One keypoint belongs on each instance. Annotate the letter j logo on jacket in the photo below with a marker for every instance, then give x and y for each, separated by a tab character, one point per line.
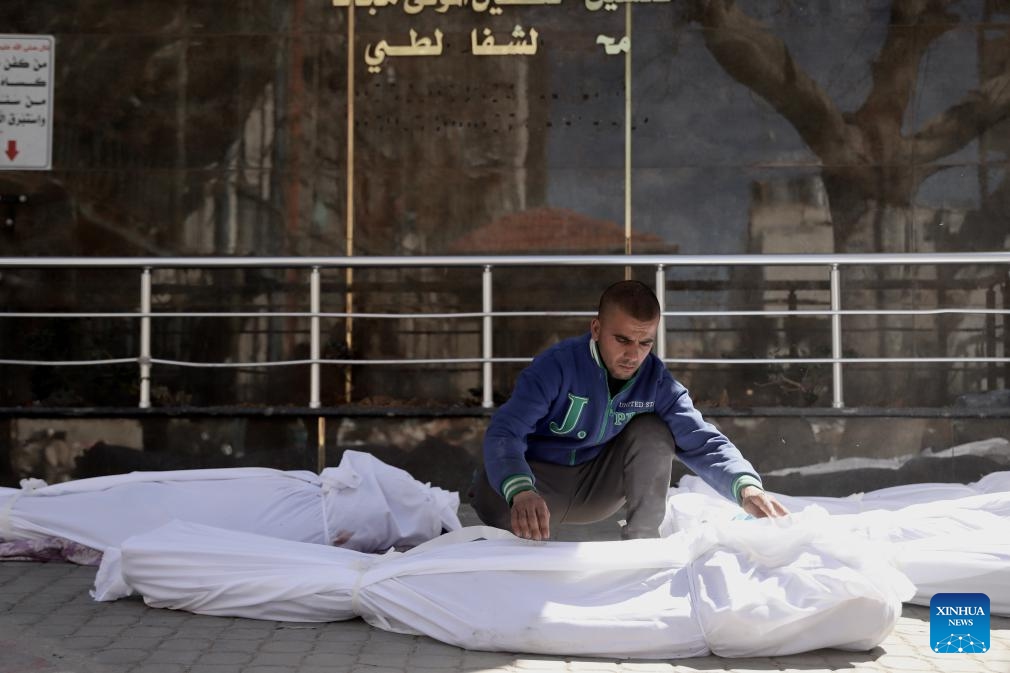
959	623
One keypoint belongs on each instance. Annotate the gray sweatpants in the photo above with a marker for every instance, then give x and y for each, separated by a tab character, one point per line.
633	468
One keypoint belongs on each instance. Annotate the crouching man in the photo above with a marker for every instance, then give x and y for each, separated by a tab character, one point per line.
594	423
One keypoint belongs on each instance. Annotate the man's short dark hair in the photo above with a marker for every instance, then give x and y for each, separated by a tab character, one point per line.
633	297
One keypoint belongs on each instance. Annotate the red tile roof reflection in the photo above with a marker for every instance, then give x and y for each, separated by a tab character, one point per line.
555	230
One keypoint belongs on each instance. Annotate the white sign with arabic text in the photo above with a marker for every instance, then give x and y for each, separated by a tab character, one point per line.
26	101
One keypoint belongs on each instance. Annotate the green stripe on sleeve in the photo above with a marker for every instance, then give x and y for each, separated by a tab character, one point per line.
744	480
514	484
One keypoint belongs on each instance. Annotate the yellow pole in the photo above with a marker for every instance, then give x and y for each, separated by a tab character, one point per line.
320	443
349	272
627	141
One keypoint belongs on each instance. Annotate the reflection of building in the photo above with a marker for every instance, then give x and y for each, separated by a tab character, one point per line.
550	231
789	216
794	215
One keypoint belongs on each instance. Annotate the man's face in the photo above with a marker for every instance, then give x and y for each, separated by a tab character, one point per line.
622	341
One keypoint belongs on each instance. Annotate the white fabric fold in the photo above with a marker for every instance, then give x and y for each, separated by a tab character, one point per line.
950	538
750	589
400	510
371	506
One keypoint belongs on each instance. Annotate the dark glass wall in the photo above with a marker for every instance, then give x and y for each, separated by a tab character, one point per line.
202	128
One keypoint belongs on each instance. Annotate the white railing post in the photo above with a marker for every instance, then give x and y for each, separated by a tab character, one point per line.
836	339
488	346
315	349
661	296
145	338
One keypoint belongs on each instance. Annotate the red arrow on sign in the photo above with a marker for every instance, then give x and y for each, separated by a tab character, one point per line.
12	149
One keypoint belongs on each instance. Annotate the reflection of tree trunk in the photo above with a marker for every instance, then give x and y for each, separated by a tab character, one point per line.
872	170
849	208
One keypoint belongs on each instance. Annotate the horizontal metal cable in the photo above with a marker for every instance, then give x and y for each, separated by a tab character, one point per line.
506	314
843	312
323	361
69	363
456	261
495	360
292	314
820	361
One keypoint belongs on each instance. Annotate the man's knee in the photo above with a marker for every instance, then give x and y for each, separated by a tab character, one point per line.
648	465
650	433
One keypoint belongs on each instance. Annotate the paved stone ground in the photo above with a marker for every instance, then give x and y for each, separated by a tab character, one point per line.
49	624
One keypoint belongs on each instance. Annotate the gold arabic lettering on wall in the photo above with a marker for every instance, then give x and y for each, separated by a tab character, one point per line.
521	42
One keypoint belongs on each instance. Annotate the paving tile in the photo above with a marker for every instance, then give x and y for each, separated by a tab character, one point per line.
162	668
531	663
236	645
100	631
595	666
214	668
429	646
388	640
435	661
341	647
994	667
23	618
400	645
337	668
113	620
308	634
184	657
209	621
347	631
126	641
477	657
801	661
895	663
245	633
905	649
286	646
64	619
397	660
54	630
229	658
151	631
646	667
84	643
320	659
185	644
276	659
958	663
199	633
163	618
120	656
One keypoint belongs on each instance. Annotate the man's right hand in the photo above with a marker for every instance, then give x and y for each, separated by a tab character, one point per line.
530	516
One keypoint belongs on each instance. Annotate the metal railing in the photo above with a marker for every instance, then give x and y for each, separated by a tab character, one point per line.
831	263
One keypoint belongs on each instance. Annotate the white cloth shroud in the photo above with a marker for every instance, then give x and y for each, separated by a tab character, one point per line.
947	538
378	505
741	589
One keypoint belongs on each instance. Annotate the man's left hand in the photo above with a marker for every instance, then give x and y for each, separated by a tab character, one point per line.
759	504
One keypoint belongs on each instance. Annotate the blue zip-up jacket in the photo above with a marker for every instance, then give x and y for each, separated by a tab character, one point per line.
561	412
